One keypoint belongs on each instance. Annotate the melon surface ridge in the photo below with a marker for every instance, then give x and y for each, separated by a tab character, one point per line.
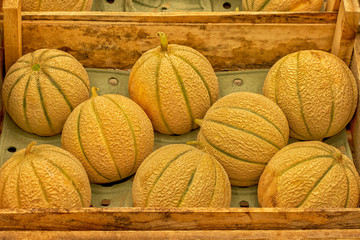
42	88
174	84
243	130
309	174
180	175
282	5
110	134
56	5
43	176
316	90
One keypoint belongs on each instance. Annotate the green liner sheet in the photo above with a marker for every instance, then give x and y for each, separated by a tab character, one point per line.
116	81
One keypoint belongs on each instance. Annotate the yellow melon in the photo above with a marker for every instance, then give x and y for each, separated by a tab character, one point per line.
42	88
56	5
282	5
174	84
316	90
43	176
179	175
110	134
309	175
243	131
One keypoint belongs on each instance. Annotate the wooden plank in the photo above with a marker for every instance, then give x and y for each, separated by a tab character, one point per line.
12	31
228	46
151	219
188	17
185	235
346	29
355	123
332	5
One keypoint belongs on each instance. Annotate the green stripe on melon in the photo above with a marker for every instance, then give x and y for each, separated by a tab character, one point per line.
243	131
46	177
316	91
110	134
174	85
42	88
56	5
309	175
180	175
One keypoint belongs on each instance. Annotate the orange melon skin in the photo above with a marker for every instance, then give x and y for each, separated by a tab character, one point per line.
44	176
111	135
243	131
174	87
180	175
56	5
316	90
42	88
309	175
282	5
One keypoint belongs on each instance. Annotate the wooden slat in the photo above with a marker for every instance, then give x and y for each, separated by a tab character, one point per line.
346	29
184	235
188	17
355	123
332	5
152	219
228	46
12	31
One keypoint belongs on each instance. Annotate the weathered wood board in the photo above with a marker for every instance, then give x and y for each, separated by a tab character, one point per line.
231	41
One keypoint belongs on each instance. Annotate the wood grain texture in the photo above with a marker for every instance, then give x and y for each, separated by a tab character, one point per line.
184	235
346	29
12	31
332	5
228	46
355	123
151	219
187	17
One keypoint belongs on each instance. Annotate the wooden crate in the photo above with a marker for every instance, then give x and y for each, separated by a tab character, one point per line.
231	41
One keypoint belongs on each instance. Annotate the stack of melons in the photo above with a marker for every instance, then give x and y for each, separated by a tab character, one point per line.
310	95
176	85
318	94
243	137
104	138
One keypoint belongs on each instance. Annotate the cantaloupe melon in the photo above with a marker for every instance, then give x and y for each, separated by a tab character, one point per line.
282	5
110	134
309	175
174	84
43	176
42	88
316	90
56	5
179	175
243	131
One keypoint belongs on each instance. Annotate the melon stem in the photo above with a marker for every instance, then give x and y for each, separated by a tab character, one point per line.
198	121
338	156
29	147
196	144
163	41
94	92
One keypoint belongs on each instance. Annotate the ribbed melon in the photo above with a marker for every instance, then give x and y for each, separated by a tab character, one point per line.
42	88
309	175
43	176
282	5
174	84
316	90
56	5
110	134
179	175
243	131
